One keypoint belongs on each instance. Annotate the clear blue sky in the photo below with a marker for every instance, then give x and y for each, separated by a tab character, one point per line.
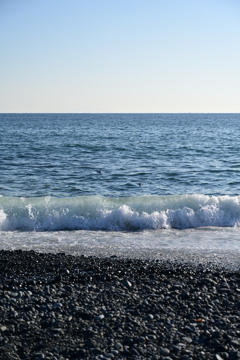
119	56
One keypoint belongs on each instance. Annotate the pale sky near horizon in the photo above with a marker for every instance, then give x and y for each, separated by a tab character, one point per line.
151	56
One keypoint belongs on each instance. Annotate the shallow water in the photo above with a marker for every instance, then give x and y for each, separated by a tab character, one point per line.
203	245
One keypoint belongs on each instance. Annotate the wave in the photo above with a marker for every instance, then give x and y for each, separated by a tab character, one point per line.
118	214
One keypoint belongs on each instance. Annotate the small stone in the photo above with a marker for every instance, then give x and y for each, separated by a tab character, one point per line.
217	357
140	339
109	355
235	342
115	352
118	346
185	357
127	284
186	339
96	351
151	337
134	351
224	285
164	351
177	286
225	302
57	306
100	317
39	356
224	290
209	280
181	345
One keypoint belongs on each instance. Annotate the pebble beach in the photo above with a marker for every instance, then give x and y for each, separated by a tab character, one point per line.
59	307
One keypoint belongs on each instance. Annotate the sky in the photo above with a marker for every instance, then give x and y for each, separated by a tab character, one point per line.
119	56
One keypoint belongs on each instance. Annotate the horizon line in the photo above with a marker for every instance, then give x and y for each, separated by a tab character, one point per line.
119	113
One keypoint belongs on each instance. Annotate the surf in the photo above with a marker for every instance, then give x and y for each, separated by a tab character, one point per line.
134	213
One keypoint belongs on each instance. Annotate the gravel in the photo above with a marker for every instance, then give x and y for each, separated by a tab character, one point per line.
57	306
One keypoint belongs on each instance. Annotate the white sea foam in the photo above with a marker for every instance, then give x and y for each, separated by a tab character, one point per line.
118	214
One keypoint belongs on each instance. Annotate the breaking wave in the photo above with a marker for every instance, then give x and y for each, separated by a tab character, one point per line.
118	214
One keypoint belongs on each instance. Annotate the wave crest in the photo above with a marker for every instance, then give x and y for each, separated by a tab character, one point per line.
118	214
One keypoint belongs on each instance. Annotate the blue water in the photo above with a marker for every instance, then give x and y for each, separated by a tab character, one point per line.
108	179
171	154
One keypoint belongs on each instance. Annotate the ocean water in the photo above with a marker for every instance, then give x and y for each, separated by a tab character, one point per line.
147	185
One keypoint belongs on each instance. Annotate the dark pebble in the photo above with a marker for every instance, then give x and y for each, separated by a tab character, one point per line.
59	307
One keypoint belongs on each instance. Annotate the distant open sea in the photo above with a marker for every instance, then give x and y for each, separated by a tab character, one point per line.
145	185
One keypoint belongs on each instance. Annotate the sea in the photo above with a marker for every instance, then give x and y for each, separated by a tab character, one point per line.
133	185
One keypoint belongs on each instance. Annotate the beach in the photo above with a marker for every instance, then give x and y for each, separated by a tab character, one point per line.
94	266
58	306
120	180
